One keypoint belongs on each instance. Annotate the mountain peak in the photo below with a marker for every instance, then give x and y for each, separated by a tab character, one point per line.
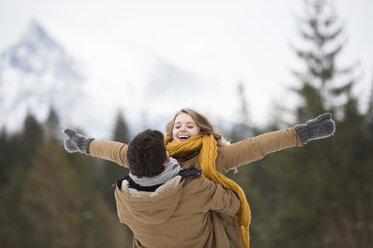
36	34
36	72
37	52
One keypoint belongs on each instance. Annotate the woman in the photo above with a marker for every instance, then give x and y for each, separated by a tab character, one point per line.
194	142
188	123
190	134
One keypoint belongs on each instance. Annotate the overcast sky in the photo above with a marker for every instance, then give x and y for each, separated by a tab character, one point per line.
226	40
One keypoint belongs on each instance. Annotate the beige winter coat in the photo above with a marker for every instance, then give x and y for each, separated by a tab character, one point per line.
177	214
229	157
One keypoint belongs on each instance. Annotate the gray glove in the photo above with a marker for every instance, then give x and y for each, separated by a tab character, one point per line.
321	127
76	142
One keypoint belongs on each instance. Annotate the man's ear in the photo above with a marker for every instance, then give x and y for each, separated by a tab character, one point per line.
165	163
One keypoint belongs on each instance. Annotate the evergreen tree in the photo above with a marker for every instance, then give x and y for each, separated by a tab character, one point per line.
54	201
17	155
28	141
5	156
252	178
51	126
111	172
121	133
242	128
321	187
323	85
368	129
63	205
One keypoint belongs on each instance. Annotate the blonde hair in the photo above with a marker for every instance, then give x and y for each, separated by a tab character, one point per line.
202	122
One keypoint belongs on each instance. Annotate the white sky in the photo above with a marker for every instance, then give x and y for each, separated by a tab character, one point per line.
226	40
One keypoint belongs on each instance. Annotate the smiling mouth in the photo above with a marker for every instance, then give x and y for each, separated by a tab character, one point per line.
183	137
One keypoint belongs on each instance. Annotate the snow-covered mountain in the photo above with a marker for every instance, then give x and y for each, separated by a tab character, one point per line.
34	74
38	72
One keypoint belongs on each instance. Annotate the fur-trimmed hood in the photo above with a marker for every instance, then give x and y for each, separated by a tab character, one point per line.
169	185
156	206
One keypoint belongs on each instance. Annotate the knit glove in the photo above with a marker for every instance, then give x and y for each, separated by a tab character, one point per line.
321	127
76	142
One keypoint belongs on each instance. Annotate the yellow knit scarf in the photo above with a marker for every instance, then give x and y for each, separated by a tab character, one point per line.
207	155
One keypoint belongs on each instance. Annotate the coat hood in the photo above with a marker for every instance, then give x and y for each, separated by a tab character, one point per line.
151	207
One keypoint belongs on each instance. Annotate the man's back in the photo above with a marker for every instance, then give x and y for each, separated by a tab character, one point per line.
180	213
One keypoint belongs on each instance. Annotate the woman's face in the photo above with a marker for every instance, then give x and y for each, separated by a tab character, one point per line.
184	127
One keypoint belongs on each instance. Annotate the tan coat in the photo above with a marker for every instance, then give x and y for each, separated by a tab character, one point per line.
180	216
229	157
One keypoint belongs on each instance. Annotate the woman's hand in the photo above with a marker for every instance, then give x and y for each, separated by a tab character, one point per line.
321	127
76	142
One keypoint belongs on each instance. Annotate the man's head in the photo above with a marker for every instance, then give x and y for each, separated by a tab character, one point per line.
146	154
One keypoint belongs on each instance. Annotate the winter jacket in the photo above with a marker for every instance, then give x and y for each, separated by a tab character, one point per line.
178	213
229	157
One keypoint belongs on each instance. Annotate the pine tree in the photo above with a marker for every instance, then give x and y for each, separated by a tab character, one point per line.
121	133
368	128
252	178
5	156
62	203
51	125
18	154
242	128
322	187
28	141
111	172
56	200
324	86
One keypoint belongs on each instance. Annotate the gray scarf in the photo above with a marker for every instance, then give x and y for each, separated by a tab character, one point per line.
170	171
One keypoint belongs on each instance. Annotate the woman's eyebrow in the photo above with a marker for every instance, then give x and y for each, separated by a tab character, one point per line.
189	122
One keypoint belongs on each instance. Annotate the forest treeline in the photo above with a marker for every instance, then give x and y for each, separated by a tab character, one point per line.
319	195
50	198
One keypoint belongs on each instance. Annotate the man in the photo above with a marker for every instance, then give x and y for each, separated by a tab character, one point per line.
164	205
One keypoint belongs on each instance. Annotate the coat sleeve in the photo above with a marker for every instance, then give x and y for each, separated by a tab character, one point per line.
109	150
253	149
212	196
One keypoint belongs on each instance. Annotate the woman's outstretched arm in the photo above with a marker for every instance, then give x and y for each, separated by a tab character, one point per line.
108	150
253	149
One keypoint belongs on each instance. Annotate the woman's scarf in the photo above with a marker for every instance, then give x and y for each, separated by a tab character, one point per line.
207	156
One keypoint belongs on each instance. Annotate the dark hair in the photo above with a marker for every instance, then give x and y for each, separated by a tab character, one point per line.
146	154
